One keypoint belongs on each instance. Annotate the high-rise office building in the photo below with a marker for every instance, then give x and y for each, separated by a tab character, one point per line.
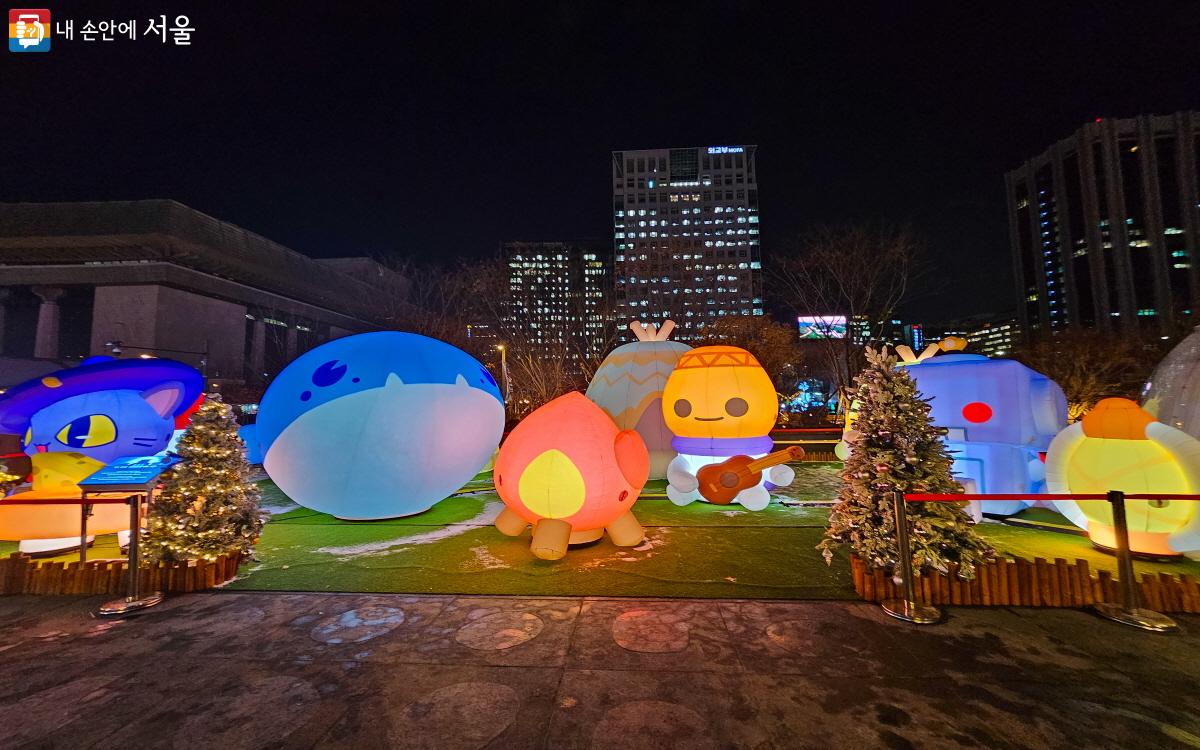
1104	226
559	297
992	334
995	338
686	235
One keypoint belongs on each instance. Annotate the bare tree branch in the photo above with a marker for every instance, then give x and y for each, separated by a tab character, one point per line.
1090	365
776	346
861	273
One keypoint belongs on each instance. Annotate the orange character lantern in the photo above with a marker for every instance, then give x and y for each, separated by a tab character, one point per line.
567	470
719	402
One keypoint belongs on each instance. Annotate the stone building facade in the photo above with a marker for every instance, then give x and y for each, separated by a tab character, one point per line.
157	278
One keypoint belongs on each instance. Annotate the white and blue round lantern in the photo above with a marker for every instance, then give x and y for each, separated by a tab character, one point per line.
378	425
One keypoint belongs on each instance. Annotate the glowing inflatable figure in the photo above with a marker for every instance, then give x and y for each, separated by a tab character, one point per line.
720	403
849	434
1000	416
1120	446
907	357
75	421
629	386
1172	394
377	425
567	470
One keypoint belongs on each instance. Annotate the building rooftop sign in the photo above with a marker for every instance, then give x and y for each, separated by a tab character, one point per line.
725	149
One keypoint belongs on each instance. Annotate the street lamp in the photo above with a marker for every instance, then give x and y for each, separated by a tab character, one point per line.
503	369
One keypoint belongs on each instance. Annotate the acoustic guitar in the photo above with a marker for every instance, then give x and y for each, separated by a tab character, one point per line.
721	483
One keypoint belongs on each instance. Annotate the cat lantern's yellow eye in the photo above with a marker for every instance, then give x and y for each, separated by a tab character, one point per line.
28	437
88	432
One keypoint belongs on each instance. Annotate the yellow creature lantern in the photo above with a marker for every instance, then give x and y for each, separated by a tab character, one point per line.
56	475
1120	446
720	403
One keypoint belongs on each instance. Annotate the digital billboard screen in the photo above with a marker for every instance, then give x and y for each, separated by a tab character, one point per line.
822	326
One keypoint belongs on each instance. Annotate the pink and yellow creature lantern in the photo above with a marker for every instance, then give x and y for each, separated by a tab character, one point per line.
629	385
1120	446
570	473
719	403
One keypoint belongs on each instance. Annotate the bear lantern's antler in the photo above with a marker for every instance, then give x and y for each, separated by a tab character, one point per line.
651	332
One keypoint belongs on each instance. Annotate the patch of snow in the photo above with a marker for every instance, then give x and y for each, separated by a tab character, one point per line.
485	517
652	542
485	559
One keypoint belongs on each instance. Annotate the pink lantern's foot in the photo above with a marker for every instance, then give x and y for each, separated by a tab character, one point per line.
625	531
550	538
510	523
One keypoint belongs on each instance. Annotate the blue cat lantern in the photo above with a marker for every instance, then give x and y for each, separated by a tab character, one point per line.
377	425
105	408
74	421
1000	416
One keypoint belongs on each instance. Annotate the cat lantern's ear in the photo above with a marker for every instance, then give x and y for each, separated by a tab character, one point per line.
165	398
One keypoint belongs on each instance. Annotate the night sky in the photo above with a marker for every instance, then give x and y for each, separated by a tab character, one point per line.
430	131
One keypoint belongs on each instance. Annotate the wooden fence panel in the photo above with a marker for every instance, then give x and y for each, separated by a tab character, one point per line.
1018	582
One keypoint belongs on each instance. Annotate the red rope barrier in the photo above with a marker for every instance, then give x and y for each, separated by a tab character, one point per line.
920	497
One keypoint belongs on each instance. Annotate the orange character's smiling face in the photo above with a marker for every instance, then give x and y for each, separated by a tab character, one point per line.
719	392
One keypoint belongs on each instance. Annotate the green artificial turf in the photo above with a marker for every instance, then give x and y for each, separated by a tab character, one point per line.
104	548
1015	541
698	550
1049	518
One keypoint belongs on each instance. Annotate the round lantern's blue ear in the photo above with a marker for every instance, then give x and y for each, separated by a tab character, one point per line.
165	398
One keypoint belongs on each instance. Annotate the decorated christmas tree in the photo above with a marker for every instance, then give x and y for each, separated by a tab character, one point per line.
897	447
208	506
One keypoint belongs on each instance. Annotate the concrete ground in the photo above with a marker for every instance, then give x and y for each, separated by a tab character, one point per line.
253	670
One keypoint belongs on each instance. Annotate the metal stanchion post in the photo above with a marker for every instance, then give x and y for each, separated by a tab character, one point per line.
85	510
1128	612
907	609
133	602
